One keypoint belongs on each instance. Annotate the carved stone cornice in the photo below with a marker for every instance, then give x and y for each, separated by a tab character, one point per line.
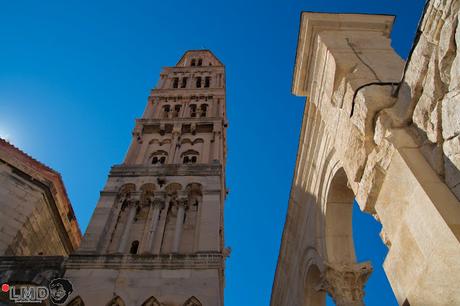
146	262
314	24
166	170
201	120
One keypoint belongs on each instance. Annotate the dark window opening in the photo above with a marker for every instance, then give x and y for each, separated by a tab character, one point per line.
200	62
193	62
190	159
162	160
166	110
176	111
193	110
184	83
204	109
175	82
155	160
207	81
134	247
198	82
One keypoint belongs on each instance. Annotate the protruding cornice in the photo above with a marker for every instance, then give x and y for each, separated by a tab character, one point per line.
312	24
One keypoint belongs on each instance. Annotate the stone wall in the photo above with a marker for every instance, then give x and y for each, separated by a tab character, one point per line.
433	79
36	217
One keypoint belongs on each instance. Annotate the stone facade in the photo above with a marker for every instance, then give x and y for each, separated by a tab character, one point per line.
156	236
36	216
391	143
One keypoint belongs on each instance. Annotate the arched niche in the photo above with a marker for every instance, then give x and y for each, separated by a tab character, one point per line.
151	301
116	301
76	302
192	301
173	188
313	295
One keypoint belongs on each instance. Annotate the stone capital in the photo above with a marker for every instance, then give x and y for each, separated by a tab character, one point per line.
345	282
159	201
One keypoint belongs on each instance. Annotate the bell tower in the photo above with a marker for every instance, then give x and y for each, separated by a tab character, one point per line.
157	232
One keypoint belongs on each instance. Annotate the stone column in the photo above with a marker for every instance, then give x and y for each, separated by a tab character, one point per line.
345	282
181	205
132	207
155	207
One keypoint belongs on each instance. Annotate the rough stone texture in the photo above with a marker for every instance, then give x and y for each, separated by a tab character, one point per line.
36	217
157	230
389	153
433	79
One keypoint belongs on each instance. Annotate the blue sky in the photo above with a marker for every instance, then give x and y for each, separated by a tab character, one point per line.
75	74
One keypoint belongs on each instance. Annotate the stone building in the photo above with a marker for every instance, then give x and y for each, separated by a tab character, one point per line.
38	228
156	236
385	133
36	215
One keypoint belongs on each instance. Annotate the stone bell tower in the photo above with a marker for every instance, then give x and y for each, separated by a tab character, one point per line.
156	236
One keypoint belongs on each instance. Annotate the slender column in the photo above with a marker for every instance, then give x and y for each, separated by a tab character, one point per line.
345	282
181	205
132	206
156	206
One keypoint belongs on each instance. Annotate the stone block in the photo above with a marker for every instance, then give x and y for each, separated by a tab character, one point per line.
451	114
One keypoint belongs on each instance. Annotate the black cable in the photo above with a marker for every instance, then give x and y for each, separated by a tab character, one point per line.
366	85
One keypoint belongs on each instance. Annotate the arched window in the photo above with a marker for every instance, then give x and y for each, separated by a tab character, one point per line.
207	81
198	82
151	301
176	111
203	110
193	301
159	157
134	247
200	62
166	110
190	157
193	110
183	84
175	82
193	63
76	302
116	301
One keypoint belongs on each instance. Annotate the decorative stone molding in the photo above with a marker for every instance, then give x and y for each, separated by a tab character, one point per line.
140	262
166	170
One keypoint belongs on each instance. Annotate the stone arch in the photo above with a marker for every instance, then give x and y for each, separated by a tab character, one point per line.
147	191
312	268
127	188
78	301
151	301
193	301
116	301
194	194
313	295
338	232
173	188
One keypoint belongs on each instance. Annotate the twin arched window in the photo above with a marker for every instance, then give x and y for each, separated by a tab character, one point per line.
202	111
159	157
190	157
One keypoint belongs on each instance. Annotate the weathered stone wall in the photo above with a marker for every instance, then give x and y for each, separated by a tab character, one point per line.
433	78
27	227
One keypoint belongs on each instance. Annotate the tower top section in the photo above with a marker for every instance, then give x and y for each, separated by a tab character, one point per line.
197	58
